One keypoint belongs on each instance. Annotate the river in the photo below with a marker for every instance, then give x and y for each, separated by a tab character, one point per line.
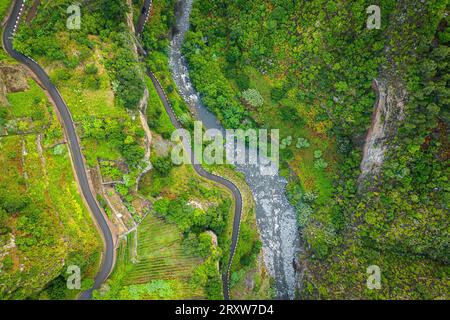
276	218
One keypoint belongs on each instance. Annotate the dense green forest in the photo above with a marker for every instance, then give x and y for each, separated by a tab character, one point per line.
312	63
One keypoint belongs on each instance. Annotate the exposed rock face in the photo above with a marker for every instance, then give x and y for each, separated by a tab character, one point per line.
13	78
387	116
5	248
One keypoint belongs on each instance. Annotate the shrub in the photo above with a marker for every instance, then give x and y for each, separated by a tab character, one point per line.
243	81
286	154
294	193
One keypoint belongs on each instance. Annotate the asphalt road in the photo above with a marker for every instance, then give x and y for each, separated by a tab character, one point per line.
197	167
74	146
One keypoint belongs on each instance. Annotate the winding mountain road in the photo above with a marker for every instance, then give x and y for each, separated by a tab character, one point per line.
73	142
145	12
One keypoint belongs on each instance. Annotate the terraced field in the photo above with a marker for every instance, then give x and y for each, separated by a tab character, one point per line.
158	268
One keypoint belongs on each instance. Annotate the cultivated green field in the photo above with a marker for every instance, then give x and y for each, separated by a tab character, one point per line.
159	268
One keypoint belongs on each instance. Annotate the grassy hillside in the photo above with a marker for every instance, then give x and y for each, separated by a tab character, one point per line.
173	255
99	76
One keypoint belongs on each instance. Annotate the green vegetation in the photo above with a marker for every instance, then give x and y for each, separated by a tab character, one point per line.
400	224
28	112
157	117
253	98
28	103
175	253
304	67
156	41
94	68
4	4
194	205
104	19
97	74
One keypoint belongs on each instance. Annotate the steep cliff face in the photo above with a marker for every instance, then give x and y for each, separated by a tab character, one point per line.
387	116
